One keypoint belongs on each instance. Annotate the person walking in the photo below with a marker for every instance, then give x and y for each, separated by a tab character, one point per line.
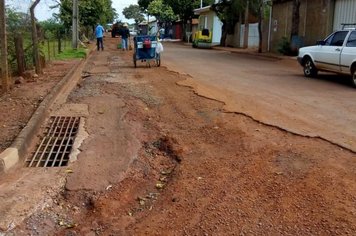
125	37
99	34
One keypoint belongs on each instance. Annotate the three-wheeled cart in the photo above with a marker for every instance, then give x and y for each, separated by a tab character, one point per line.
145	50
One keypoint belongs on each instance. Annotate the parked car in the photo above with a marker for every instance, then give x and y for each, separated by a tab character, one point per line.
337	53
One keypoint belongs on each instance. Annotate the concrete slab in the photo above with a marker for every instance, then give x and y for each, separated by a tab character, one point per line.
81	110
8	159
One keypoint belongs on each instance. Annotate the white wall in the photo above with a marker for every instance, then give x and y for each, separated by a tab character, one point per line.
217	30
253	39
345	12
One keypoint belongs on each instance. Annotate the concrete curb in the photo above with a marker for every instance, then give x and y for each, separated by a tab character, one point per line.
16	152
251	53
247	52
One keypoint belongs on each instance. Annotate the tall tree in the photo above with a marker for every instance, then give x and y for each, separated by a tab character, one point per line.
228	12
162	12
144	4
90	12
133	12
185	8
36	53
231	11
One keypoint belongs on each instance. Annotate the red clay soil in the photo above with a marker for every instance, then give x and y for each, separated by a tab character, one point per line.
18	105
202	171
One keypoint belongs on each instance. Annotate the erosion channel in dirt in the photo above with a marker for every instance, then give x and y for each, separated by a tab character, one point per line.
197	169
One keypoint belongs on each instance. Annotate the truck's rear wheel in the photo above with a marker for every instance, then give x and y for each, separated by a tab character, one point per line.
309	68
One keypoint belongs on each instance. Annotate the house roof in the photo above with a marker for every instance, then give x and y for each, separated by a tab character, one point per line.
201	10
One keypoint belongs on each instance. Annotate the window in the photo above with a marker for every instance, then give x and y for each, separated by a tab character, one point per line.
352	40
337	39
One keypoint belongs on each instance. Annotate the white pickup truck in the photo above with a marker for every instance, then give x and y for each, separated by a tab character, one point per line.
337	53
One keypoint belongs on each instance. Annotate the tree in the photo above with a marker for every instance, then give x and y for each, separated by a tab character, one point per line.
162	12
52	28
17	21
133	12
229	13
18	25
36	54
90	12
185	8
144	4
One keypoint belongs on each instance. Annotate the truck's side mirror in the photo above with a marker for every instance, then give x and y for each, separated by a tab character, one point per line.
320	42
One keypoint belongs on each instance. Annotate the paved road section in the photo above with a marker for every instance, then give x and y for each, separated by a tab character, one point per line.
272	91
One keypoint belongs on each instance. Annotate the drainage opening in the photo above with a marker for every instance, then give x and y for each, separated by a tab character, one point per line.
57	143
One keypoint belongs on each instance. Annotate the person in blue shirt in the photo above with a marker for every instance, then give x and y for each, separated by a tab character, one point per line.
99	33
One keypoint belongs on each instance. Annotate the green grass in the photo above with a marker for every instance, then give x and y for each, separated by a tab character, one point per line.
50	50
71	54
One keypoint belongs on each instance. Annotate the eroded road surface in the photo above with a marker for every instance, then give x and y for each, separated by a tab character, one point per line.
160	158
273	91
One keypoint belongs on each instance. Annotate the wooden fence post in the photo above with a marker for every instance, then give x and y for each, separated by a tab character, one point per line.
3	49
49	50
54	48
20	56
59	44
35	38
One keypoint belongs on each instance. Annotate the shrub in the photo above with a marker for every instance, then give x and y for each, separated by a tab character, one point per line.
284	46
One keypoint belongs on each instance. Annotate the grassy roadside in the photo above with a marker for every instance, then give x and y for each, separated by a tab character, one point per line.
50	51
71	53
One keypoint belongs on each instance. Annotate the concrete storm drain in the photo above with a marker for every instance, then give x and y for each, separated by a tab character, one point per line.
56	145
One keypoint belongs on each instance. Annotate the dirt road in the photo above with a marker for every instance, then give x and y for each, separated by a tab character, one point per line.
272	91
161	160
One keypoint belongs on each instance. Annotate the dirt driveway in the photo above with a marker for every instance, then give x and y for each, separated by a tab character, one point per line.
161	160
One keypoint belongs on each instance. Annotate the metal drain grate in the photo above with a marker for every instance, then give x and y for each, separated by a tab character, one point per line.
56	145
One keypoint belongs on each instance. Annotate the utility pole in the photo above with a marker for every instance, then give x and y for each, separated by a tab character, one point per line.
3	49
75	25
36	54
246	24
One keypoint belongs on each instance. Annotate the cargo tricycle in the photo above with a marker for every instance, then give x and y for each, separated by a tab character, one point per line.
146	49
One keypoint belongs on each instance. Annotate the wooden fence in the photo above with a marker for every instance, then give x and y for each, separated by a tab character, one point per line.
49	50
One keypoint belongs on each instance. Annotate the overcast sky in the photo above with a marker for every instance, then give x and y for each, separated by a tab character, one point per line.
44	12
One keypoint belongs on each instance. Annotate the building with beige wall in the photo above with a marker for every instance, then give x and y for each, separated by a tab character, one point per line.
318	18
